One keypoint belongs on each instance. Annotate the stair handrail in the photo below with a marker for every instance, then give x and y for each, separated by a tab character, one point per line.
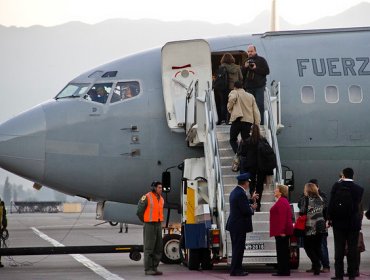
272	127
215	162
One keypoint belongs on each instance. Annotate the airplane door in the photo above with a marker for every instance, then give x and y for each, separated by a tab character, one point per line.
186	76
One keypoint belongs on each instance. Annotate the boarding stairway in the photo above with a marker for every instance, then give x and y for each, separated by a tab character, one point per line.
190	107
260	248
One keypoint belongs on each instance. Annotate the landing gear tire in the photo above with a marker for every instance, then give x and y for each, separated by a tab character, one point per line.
294	257
113	224
171	249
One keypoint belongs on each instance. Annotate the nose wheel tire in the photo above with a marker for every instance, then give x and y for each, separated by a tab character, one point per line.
171	249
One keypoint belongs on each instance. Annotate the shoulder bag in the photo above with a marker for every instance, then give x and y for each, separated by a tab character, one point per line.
300	223
235	166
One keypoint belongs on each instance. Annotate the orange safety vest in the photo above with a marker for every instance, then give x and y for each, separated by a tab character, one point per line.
154	209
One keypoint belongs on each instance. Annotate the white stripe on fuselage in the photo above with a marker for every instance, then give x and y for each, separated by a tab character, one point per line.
98	269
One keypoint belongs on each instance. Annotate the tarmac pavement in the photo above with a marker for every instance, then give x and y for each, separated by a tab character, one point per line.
58	229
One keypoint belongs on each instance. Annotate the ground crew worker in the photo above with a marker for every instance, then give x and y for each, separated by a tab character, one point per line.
3	225
150	211
121	227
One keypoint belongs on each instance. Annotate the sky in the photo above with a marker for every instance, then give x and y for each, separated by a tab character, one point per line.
24	13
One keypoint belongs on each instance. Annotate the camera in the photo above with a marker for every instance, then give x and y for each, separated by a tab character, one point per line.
250	61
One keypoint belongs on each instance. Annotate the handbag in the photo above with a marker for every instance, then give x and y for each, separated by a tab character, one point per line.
300	226
300	223
361	243
235	166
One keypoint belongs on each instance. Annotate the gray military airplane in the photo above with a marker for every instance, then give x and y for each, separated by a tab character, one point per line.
112	130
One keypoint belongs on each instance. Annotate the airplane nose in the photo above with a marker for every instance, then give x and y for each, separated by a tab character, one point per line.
22	144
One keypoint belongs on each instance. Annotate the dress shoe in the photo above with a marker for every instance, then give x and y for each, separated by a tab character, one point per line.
336	278
244	273
309	270
325	270
356	275
153	272
281	274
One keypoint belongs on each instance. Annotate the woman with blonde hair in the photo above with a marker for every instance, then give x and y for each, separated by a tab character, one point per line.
281	227
312	204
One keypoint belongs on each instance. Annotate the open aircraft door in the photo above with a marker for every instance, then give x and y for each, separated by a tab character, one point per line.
186	79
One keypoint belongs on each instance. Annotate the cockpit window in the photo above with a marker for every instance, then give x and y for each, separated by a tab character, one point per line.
125	91
110	74
73	90
96	74
99	92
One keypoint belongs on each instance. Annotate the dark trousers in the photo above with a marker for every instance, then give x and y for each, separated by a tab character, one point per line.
257	185
312	246
341	237
153	245
259	95
324	252
221	104
283	254
238	245
237	127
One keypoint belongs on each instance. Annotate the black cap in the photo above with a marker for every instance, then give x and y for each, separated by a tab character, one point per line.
314	181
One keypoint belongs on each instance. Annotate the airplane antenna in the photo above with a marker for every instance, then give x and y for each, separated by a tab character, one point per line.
274	20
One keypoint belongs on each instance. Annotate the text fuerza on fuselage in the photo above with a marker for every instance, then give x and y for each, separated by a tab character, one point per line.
334	66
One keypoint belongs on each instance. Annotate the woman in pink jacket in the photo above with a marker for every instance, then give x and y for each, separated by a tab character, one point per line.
281	226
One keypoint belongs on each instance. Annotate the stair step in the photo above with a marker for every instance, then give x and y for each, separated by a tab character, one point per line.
260	247
255	246
223	128
226	152
226	170
264	257
226	160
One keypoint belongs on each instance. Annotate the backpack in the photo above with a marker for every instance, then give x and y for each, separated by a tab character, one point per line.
221	82
342	202
266	158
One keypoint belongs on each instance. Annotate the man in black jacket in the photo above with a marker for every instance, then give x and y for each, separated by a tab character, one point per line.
346	223
254	72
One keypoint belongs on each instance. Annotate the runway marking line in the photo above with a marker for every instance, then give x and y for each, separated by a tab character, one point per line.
98	269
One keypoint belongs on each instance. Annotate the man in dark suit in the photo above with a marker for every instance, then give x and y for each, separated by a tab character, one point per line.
240	222
346	223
